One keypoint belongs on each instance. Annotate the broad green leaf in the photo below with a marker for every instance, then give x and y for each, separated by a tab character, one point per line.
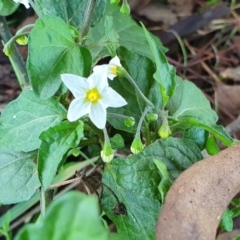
130	35
198	135
190	108
56	141
188	101
72	12
165	73
72	216
18	175
134	180
141	70
65	173
53	51
227	221
7	7
166	181
25	118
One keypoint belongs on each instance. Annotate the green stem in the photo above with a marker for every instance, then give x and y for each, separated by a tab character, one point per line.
16	58
45	199
35	8
88	18
146	110
129	78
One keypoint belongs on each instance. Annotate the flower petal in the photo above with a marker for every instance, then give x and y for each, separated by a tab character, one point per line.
115	61
78	108
111	98
98	115
76	84
98	80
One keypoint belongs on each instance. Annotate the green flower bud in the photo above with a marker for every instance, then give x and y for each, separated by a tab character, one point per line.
125	8
129	122
107	153
152	117
211	146
120	71
136	146
114	2
8	50
22	40
164	130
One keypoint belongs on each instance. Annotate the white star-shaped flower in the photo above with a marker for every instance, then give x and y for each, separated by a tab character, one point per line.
109	69
92	96
24	2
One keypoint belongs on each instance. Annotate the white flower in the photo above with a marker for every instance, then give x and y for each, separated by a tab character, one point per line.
92	96
109	69
25	2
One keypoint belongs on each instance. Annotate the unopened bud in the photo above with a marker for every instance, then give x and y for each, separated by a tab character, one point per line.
164	130
136	146
129	122
152	117
22	40
114	2
107	154
125	8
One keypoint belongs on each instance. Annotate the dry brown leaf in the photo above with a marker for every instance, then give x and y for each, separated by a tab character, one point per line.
228	98
232	73
195	202
229	235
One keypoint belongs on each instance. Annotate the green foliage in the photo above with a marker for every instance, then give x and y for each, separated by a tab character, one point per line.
135	179
77	218
56	141
18	175
7	7
36	140
71	12
226	221
51	48
25	118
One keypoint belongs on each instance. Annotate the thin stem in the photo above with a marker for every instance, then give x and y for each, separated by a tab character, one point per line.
45	200
35	8
16	58
106	138
88	17
129	78
146	110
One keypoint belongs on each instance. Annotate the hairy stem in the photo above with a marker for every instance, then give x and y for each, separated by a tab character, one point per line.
88	18
16	58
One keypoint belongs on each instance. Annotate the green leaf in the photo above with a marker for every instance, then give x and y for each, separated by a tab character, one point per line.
130	35
117	142
140	68
7	7
56	141
165	73
53	51
25	118
227	221
189	107
166	181
212	146
18	175
197	135
72	216
235	212
235	202
72	12
134	180
188	101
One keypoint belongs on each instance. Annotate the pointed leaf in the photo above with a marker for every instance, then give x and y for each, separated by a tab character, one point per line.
18	175
53	51
140	68
56	141
134	180
72	216
165	73
25	118
72	12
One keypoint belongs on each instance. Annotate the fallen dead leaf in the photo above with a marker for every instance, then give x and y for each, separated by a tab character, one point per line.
232	73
